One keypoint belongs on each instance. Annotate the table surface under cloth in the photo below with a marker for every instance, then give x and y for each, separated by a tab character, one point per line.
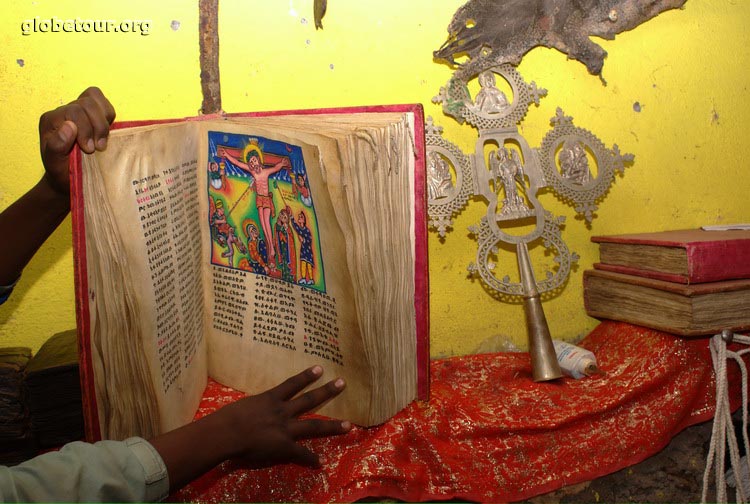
489	433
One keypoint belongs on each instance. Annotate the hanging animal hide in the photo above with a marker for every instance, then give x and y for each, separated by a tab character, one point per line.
492	32
319	10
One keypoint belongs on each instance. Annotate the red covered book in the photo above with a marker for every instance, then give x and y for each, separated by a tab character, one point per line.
683	256
246	248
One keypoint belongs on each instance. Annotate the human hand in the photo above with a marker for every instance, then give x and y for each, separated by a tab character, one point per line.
262	429
265	428
85	122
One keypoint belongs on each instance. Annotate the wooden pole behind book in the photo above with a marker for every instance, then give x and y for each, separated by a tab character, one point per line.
209	56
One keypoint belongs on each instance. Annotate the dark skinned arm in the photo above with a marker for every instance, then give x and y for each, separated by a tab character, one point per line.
261	430
28	222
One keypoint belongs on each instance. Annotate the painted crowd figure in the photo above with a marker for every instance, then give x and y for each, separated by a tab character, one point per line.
306	258
287	255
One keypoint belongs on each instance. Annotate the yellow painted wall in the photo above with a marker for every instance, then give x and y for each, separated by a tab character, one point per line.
686	69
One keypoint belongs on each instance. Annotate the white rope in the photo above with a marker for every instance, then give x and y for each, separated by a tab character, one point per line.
722	434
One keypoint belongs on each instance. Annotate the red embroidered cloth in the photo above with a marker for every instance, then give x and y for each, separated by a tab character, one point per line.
490	434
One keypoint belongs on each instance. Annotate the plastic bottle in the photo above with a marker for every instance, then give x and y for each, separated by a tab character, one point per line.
575	361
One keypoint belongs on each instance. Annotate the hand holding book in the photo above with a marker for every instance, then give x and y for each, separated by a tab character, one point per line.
84	122
28	222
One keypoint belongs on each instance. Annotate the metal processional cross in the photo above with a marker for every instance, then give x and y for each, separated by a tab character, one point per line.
509	174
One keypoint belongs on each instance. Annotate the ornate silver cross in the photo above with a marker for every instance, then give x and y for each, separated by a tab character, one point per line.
509	174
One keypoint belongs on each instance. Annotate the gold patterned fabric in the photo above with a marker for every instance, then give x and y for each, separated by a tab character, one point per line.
491	434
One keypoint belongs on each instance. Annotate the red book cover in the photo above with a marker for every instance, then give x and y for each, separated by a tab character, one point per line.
421	279
708	256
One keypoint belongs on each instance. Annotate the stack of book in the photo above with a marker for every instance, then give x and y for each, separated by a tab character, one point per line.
687	282
54	392
16	440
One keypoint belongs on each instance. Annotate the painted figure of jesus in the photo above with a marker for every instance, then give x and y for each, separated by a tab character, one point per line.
253	164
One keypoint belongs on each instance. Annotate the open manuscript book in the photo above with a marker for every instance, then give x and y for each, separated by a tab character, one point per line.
247	248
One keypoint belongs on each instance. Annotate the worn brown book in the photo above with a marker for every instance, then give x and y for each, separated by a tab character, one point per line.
686	256
686	310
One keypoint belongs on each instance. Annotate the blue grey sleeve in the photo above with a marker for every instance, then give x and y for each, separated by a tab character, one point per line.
5	291
107	471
